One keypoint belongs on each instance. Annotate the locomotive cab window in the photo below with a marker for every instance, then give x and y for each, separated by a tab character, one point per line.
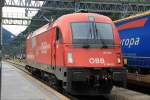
93	34
58	35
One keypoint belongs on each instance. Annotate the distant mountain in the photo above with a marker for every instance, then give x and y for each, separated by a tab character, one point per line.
7	36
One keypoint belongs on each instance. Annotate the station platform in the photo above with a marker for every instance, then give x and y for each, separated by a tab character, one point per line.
18	85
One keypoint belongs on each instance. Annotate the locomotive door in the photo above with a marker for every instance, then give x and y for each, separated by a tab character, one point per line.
53	48
56	47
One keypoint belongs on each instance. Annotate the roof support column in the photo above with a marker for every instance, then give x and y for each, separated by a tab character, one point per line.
1	5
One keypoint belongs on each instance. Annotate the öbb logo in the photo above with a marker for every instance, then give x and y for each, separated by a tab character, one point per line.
96	60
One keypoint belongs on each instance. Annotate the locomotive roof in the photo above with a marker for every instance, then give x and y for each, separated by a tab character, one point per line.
68	18
134	16
74	16
64	23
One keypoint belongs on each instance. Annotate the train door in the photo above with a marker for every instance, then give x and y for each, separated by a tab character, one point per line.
59	48
57	57
53	48
60	70
56	47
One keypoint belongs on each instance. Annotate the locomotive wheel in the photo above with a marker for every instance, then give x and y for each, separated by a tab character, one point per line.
52	81
55	83
108	96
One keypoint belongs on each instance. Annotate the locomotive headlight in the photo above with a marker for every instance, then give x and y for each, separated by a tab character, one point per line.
119	60
69	57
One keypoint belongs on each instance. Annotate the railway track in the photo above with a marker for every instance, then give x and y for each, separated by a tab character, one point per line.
139	78
22	68
138	82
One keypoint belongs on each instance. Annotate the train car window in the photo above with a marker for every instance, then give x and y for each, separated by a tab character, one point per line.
58	35
33	42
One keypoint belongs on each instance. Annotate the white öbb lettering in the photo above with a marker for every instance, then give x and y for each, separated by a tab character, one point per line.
96	60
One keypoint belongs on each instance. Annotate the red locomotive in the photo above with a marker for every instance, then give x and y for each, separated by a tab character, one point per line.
79	53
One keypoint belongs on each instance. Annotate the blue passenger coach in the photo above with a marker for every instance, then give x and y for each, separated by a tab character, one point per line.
134	33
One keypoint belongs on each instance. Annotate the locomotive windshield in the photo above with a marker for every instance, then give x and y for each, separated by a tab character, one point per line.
93	34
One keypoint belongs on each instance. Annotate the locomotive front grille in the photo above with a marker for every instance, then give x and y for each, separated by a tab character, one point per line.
91	80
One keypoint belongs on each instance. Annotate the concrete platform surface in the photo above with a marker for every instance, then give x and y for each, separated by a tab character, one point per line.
17	85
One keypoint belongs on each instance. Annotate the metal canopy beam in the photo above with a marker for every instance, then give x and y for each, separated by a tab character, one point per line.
23	3
124	7
15	21
128	1
18	21
102	6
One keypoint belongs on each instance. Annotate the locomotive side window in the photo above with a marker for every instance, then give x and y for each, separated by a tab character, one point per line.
33	42
58	35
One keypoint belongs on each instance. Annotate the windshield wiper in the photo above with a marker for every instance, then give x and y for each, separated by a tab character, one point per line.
86	46
90	32
104	46
96	36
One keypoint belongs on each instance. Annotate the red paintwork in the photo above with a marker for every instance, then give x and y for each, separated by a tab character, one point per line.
133	24
45	50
